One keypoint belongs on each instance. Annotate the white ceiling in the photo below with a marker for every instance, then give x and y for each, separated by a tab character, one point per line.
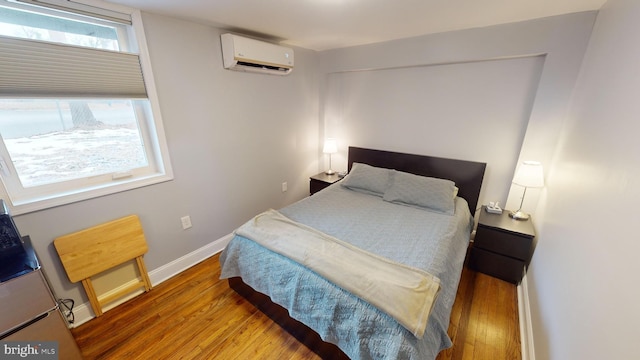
327	24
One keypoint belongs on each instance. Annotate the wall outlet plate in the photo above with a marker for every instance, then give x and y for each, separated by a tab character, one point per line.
186	222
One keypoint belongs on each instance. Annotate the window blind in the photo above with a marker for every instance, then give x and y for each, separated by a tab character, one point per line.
80	8
36	69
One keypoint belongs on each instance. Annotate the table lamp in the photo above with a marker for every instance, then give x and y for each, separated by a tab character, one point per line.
529	175
330	147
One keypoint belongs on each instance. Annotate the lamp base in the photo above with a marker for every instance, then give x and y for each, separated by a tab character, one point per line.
329	172
518	215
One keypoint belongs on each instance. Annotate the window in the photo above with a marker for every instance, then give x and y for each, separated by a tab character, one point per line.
78	115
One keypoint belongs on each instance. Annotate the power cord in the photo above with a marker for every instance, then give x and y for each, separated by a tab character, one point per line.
67	310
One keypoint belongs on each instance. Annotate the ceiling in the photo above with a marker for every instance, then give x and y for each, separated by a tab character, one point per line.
329	24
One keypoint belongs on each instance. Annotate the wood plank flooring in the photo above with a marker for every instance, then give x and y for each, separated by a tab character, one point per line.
195	315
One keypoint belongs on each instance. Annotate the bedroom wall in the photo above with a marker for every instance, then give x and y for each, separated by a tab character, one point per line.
431	109
583	278
511	87
233	139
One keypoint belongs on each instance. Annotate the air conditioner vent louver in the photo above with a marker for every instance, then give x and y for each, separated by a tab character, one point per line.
245	54
266	67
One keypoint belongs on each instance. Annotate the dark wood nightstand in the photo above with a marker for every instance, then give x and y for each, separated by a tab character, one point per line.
320	181
503	246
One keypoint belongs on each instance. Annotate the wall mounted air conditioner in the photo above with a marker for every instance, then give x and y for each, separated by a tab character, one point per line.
244	54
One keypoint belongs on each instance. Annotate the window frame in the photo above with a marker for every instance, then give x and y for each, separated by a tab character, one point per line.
155	146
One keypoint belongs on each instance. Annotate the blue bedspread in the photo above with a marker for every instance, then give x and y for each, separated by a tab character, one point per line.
433	242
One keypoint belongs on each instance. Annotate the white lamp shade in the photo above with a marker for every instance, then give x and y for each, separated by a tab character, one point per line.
330	146
529	174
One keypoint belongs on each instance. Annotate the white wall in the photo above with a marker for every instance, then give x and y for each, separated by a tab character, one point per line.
472	110
583	278
531	114
233	138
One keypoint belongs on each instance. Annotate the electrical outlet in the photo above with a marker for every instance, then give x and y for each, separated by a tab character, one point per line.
284	186
186	222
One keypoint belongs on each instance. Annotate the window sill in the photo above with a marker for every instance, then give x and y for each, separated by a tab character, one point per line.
36	204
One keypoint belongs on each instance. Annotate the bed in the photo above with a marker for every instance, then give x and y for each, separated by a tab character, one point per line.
372	214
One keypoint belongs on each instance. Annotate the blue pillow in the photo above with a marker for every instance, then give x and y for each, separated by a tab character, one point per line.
425	192
368	179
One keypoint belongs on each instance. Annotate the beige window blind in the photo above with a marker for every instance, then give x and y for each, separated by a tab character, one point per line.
36	69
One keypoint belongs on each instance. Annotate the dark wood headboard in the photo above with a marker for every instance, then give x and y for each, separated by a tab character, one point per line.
467	175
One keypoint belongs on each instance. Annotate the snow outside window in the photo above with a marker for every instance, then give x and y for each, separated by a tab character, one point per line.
77	117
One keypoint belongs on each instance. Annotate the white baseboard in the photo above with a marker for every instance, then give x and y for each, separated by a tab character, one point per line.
179	265
524	316
84	313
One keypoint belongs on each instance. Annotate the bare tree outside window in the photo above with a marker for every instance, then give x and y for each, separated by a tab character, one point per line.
81	115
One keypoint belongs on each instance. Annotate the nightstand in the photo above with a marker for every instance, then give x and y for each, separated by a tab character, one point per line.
503	246
320	181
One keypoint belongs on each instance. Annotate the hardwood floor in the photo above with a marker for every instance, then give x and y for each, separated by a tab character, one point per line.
484	320
197	316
